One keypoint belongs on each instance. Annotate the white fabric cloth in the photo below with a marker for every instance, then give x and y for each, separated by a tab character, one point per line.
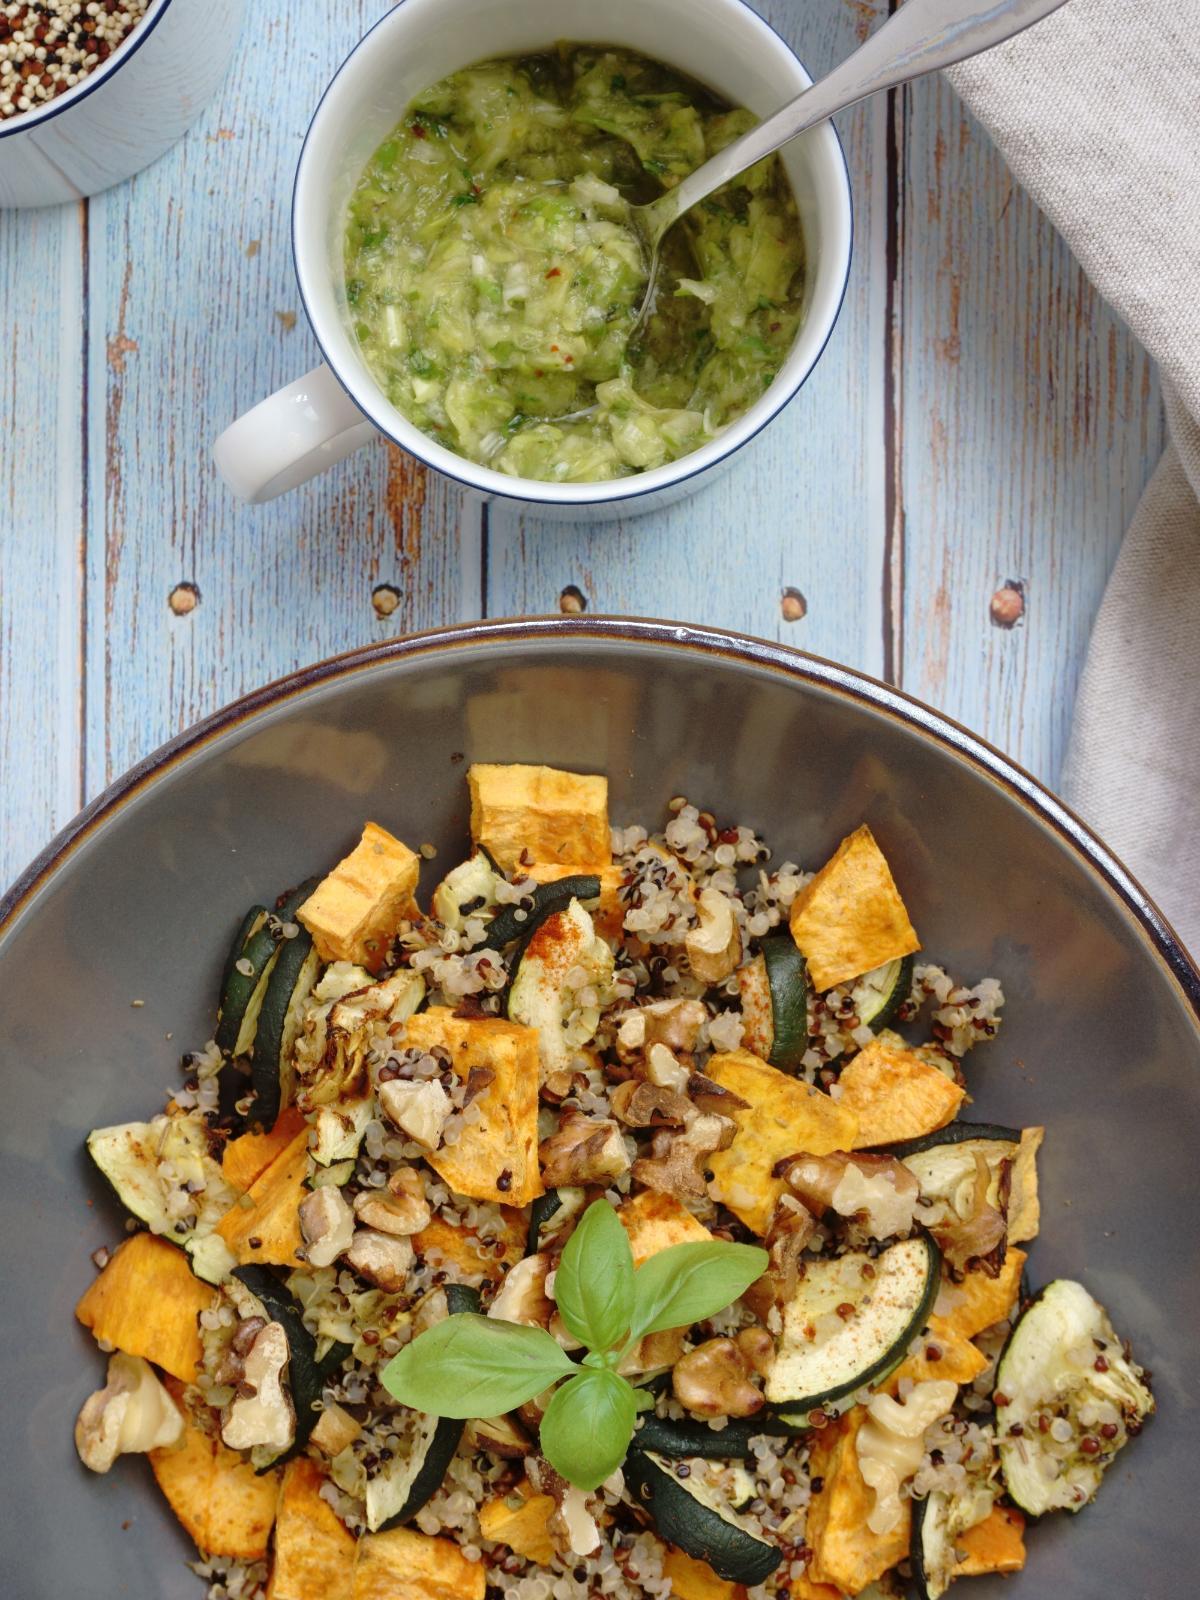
1097	110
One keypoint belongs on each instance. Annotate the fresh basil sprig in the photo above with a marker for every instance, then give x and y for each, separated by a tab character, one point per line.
473	1366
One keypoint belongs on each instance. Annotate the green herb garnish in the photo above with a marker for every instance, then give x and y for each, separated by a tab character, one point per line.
474	1366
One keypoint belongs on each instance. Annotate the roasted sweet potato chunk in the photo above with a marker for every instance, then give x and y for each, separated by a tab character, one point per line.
520	1519
496	1157
268	1230
997	1544
354	911
405	1565
850	918
146	1302
538	814
846	1553
894	1095
656	1221
314	1554
225	1505
785	1115
250	1154
696	1580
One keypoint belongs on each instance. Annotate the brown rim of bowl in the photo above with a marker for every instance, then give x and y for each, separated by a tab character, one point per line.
844	681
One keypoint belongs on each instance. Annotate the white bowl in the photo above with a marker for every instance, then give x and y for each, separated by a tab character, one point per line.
125	114
722	43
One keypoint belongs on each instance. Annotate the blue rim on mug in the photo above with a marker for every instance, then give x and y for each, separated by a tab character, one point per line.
515	488
37	116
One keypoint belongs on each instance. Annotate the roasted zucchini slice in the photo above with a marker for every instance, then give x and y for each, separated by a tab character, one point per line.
827	1353
507	925
248	972
693	1514
398	1489
879	995
774	993
1067	1399
293	976
665	1436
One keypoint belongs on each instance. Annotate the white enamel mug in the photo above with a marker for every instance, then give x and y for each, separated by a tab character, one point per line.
300	430
125	114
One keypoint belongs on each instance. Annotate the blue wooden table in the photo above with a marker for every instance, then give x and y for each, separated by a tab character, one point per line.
979	419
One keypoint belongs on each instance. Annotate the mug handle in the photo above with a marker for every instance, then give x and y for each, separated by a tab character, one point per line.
290	437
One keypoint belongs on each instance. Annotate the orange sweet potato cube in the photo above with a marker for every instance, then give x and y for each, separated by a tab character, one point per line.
146	1302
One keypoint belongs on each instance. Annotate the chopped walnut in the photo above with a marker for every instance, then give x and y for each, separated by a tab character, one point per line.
584	1150
677	1161
713	1380
400	1209
644	1105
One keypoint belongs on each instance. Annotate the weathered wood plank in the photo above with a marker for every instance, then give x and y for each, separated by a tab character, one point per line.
1029	421
195	317
803	504
41	312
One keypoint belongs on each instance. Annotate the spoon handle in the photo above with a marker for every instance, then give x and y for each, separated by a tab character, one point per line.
922	36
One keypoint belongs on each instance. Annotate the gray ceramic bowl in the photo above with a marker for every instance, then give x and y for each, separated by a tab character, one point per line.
135	902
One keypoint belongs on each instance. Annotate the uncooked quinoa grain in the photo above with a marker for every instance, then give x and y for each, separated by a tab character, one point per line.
49	46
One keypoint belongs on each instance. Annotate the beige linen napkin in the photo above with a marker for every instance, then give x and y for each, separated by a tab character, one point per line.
1097	110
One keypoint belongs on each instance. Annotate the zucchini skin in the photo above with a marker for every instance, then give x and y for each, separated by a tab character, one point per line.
543	1208
260	950
796	1412
447	1435
696	1529
954	1133
916	1552
900	991
666	1437
548	898
257	947
306	1376
443	1447
787	981
239	939
268	1066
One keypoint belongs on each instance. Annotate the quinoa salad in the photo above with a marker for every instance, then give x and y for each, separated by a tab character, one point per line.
600	1218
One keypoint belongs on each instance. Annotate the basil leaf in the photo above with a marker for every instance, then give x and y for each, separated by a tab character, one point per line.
587	1427
594	1282
473	1366
688	1282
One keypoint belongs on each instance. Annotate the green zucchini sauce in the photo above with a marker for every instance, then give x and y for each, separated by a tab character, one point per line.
494	280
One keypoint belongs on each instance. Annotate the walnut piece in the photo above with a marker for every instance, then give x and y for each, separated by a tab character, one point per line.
584	1150
677	1161
644	1105
381	1258
713	1380
261	1413
133	1413
327	1223
400	1209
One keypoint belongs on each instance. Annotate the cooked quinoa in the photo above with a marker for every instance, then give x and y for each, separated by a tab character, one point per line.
423	1080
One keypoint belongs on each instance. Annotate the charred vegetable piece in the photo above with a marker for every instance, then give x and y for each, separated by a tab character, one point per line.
296	969
1064	1363
248	974
865	1312
689	1513
506	925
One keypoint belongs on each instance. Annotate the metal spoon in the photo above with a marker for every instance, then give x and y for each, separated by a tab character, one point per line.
923	36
